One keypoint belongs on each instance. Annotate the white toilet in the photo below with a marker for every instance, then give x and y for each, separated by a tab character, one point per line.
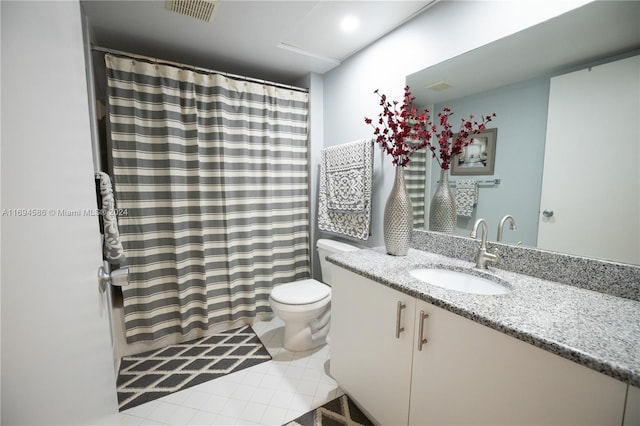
304	306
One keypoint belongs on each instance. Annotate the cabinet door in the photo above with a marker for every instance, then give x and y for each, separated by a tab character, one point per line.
632	409
470	374
368	361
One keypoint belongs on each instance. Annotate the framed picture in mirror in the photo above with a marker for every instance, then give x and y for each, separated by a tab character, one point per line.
479	157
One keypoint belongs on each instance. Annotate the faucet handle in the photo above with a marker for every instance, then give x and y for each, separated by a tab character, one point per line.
485	256
494	255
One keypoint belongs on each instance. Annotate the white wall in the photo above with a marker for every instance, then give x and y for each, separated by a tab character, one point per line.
314	83
56	355
447	29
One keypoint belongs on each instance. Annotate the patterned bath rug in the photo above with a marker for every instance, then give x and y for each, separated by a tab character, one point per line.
340	411
157	373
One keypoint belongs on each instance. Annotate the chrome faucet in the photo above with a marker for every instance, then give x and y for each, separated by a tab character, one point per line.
483	257
512	225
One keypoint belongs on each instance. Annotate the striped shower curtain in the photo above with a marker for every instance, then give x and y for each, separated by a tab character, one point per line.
211	175
414	177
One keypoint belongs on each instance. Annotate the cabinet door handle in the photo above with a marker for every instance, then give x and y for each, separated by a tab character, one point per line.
399	329
421	339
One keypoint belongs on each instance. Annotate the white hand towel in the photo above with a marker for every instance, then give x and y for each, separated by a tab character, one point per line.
344	197
466	196
113	250
346	173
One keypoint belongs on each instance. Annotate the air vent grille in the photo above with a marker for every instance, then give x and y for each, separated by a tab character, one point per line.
198	9
439	86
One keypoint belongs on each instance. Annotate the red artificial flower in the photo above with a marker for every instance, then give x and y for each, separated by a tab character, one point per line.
406	131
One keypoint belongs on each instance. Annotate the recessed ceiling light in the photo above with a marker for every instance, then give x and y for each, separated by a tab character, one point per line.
349	24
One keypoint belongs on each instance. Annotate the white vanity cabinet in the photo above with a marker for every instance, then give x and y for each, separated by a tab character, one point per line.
370	351
632	409
465	373
468	373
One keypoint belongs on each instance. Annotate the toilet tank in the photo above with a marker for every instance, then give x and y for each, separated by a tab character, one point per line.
326	248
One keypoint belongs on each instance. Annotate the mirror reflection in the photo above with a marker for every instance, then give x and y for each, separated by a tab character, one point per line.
567	149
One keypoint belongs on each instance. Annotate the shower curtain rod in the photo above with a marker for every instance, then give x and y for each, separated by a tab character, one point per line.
195	68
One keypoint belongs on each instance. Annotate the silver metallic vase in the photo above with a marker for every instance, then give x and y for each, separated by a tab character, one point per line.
442	211
398	217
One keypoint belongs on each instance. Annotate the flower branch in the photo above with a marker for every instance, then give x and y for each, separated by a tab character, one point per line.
403	130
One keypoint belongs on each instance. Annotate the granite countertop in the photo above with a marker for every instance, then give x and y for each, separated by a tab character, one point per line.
597	330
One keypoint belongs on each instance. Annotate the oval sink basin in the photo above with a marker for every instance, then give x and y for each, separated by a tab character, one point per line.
459	281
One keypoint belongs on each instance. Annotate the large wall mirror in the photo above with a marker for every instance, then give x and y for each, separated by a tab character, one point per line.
525	79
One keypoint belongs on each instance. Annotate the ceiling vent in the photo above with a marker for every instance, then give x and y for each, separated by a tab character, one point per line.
439	86
198	9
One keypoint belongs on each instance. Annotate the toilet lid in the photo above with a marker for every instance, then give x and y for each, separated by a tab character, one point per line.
300	292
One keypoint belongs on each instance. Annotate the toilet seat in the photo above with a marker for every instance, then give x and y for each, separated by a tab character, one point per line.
300	292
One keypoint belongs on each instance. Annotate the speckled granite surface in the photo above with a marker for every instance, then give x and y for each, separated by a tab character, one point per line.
597	330
617	279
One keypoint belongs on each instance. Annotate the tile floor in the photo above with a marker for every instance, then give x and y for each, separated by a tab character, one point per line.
272	393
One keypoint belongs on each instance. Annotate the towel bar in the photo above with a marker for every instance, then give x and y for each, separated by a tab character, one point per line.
495	181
